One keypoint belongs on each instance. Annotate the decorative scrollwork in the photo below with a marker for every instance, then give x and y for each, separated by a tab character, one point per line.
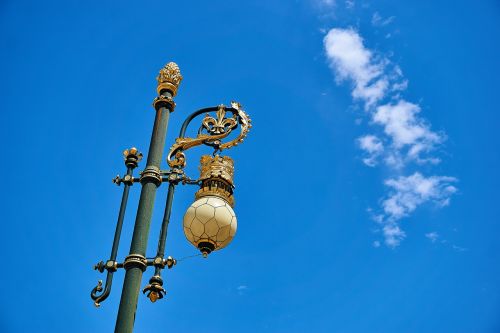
245	125
216	130
99	294
221	124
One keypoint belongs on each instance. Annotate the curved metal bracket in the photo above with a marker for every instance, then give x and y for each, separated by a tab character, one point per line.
94	294
211	132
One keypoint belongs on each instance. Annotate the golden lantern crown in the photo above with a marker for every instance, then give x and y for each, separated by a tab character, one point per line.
169	78
216	175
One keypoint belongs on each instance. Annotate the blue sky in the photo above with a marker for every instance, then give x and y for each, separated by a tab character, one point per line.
366	191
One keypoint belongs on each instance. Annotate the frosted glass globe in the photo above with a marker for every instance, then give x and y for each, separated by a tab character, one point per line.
209	224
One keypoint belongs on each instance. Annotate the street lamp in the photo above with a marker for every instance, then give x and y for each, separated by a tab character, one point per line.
209	223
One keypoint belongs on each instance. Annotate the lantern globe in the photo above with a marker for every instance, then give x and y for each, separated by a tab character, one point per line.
210	224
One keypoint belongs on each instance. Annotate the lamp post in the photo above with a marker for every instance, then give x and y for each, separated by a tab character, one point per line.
209	223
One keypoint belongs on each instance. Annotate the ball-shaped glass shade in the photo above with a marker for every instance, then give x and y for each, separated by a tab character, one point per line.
210	224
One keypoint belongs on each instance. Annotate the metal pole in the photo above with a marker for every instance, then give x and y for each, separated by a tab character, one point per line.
135	262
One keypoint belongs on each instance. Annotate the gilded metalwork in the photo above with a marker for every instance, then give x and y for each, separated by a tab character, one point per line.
170	262
127	180
164	101
216	177
154	289
151	173
169	78
217	130
221	124
132	157
135	260
217	166
245	125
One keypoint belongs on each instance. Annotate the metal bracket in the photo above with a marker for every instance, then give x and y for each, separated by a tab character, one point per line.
127	180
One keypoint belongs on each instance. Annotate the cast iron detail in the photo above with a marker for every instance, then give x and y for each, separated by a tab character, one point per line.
151	173
218	123
154	289
132	157
211	133
163	101
135	260
127	179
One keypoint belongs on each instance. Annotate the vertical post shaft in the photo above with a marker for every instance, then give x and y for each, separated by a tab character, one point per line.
164	225
121	216
133	276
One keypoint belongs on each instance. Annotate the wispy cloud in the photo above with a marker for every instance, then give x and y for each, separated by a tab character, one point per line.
376	79
409	192
379	21
352	61
405	195
325	4
401	135
432	236
349	4
410	136
373	147
241	289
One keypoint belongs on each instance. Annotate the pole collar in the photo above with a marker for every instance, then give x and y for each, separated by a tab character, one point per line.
163	101
151	173
135	260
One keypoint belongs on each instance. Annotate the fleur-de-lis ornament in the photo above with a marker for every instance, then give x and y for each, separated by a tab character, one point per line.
221	124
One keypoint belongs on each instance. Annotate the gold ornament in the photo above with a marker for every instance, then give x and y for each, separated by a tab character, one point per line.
169	78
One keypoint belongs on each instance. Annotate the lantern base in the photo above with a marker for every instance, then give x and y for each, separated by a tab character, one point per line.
206	248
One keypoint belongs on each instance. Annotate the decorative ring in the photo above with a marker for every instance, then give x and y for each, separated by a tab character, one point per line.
164	102
151	173
135	260
166	86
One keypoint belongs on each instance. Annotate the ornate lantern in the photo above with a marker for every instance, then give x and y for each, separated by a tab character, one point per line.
210	222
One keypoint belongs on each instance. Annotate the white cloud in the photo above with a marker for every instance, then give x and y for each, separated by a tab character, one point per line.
403	138
371	144
407	193
349	4
433	236
351	60
400	86
373	147
378	21
326	3
241	289
374	79
402	125
393	234
458	248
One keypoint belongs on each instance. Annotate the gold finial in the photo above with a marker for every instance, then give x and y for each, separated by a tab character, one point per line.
169	78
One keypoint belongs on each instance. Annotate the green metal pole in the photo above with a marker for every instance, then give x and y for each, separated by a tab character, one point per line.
135	263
